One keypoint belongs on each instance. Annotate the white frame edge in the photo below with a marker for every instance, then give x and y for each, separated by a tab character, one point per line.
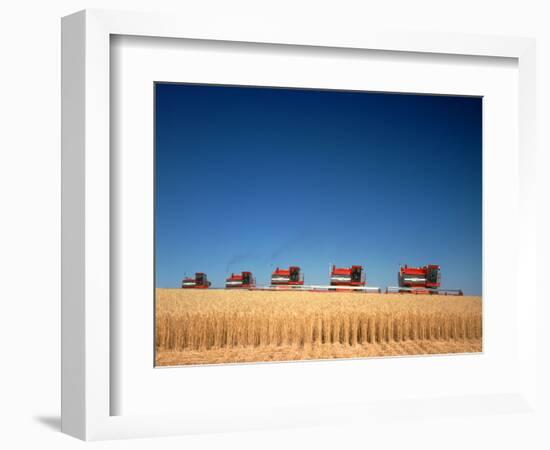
72	225
86	173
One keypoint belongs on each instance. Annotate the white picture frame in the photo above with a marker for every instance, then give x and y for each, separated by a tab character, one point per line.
87	354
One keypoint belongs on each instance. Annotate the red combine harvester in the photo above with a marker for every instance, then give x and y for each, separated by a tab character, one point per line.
199	282
353	276
287	277
421	280
244	280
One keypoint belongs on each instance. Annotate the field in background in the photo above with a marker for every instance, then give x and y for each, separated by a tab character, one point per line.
220	326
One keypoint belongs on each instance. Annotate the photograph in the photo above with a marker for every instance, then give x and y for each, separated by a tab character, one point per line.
298	224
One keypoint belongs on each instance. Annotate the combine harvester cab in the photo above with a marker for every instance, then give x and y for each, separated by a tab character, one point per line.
421	280
349	279
344	276
287	278
244	280
199	282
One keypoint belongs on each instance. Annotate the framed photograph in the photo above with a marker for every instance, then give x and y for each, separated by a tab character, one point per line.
293	214
313	176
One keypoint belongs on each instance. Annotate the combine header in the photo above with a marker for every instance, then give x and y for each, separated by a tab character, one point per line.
244	280
199	282
421	280
287	277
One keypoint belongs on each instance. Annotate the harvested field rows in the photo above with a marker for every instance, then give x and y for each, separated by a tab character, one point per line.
216	326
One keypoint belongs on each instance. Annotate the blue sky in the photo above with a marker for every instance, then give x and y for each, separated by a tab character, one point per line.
254	178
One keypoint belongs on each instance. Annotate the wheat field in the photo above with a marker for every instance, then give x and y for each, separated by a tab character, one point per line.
220	326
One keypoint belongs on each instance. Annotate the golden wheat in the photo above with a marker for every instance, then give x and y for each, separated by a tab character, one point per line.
196	326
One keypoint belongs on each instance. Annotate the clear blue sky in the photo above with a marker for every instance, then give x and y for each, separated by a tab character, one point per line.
254	178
